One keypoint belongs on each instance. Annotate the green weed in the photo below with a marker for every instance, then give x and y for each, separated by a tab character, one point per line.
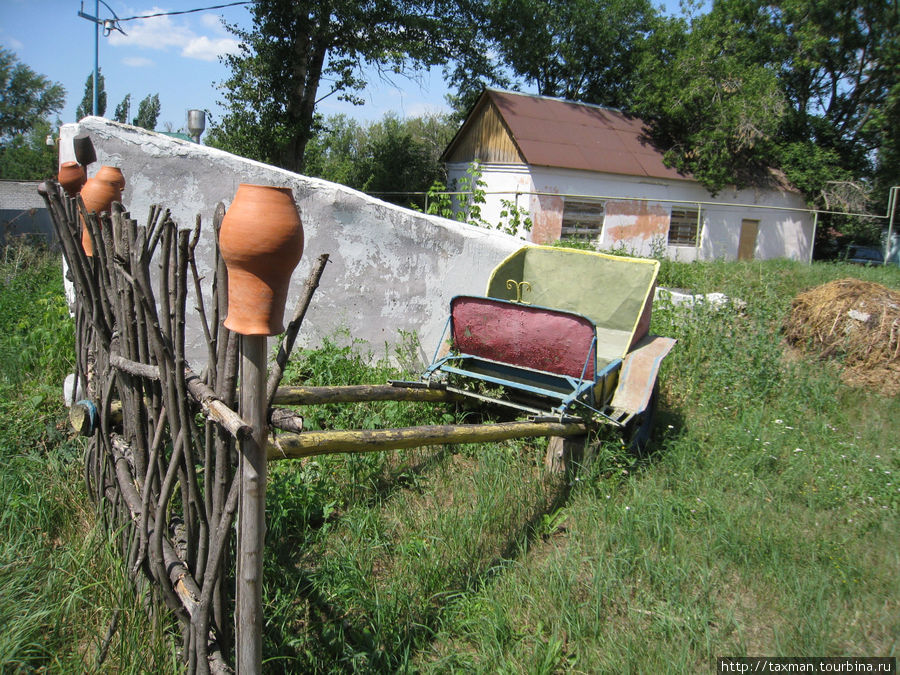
761	519
61	577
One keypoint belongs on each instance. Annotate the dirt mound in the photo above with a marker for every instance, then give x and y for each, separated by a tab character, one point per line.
855	321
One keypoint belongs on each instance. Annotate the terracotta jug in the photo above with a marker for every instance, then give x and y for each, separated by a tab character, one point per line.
112	174
71	176
98	195
261	242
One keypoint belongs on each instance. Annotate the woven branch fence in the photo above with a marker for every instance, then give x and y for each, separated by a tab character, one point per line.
163	455
162	451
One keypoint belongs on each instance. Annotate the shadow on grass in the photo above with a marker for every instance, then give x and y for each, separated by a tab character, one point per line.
375	615
332	637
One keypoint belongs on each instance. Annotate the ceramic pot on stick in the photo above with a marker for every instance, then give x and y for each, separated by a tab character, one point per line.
112	174
261	241
71	177
98	195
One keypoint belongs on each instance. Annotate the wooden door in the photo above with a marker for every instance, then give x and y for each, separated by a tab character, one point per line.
747	242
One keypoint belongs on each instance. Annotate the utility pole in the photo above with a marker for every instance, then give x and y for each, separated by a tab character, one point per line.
109	25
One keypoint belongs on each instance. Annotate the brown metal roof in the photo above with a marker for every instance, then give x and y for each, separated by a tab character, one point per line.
569	135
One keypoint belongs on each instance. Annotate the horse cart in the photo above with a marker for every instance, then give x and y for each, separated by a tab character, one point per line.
559	334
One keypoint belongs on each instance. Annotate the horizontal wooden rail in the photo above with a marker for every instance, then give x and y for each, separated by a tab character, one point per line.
359	393
311	443
213	407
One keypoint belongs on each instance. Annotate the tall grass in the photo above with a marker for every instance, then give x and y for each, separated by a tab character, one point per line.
61	580
761	521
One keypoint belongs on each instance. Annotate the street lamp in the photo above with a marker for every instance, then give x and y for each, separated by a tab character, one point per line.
109	25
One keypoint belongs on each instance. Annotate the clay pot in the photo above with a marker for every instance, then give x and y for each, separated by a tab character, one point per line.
98	195
112	174
261	242
71	176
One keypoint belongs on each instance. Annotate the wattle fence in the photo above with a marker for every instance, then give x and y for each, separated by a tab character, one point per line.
176	472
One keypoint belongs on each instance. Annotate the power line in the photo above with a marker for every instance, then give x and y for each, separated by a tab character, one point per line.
189	11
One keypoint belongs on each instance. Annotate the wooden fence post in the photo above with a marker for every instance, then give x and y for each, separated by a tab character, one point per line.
252	523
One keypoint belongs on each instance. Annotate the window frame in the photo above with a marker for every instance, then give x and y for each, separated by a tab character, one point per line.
682	220
590	231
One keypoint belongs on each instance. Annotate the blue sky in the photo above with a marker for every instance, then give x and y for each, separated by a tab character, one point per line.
174	56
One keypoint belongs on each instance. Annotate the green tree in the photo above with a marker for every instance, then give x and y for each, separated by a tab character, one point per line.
148	112
334	149
580	50
86	107
121	113
389	156
395	160
806	86
838	63
28	157
26	97
712	106
293	47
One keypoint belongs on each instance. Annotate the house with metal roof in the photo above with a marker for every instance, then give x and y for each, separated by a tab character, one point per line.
587	172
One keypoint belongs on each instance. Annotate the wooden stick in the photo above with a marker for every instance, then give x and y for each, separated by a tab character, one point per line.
181	581
360	392
286	420
252	527
290	335
311	443
119	362
213	407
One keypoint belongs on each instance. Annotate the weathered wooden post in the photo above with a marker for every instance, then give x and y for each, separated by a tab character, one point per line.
261	241
252	514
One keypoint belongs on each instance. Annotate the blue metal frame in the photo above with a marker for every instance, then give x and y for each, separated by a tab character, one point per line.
564	390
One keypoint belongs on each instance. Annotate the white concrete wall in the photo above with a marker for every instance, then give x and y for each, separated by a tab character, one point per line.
390	268
782	233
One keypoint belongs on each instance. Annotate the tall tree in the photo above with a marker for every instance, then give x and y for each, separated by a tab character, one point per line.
86	107
807	86
26	97
122	110
712	107
148	112
391	157
397	158
838	62
294	46
334	149
27	156
581	50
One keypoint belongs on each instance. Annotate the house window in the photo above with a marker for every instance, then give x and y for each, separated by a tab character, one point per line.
582	219
683	227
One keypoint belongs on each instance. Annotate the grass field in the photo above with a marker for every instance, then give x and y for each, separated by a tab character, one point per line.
762	521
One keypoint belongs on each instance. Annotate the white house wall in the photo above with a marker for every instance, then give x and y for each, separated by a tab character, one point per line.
501	181
641	227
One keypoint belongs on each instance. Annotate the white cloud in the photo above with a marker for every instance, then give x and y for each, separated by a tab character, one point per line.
213	22
12	43
207	49
157	33
137	61
162	32
426	109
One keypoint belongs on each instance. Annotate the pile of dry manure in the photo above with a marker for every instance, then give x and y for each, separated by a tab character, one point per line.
855	321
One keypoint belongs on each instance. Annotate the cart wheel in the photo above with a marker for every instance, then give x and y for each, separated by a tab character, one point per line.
637	434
